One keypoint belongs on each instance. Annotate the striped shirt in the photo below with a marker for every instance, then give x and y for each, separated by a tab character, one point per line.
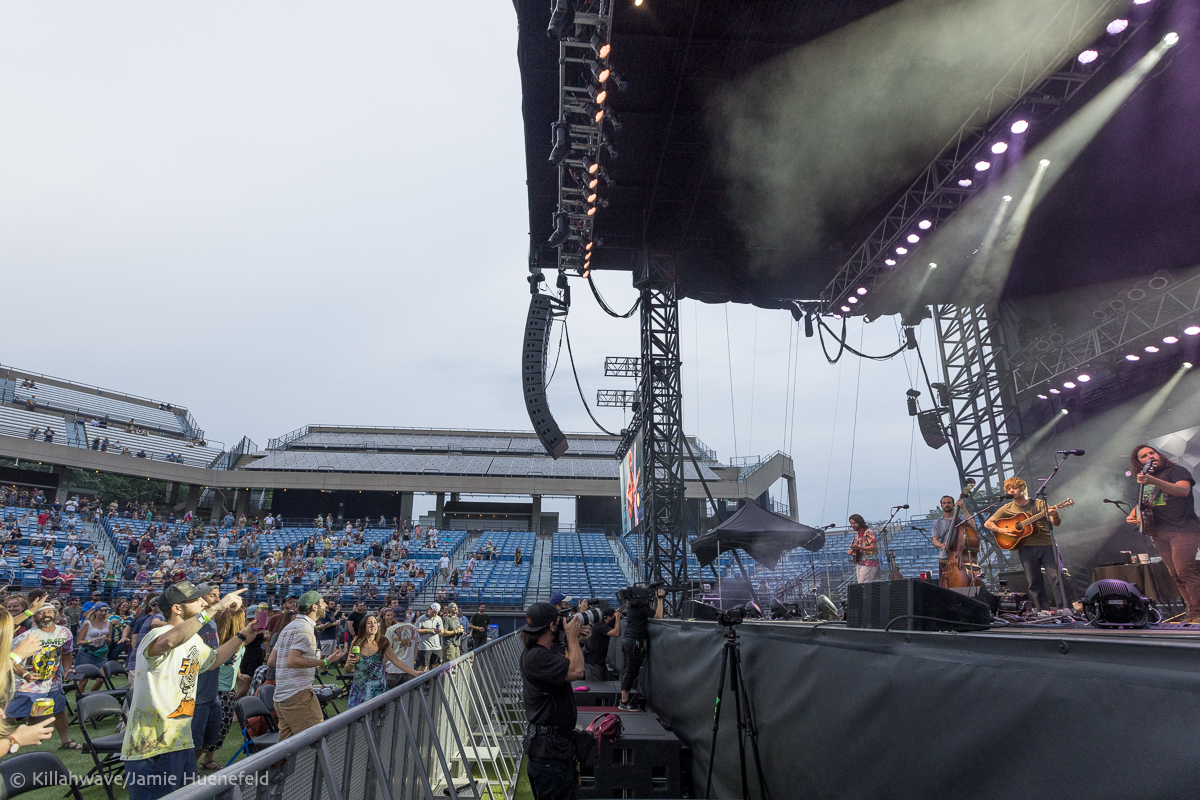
298	635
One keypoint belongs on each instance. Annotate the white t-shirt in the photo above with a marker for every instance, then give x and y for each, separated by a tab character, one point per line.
164	697
430	628
444	563
403	637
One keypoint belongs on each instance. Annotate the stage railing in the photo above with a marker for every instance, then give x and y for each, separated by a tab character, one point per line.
454	732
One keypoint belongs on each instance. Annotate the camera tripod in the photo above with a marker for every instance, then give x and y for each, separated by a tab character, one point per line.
731	662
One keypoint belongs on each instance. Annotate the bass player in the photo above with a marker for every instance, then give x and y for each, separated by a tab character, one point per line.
1167	489
1035	550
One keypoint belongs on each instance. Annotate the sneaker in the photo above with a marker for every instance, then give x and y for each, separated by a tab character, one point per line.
625	707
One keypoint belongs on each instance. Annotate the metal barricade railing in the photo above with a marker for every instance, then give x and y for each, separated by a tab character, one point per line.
454	732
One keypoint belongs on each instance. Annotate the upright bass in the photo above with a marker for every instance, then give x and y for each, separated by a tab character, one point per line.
962	551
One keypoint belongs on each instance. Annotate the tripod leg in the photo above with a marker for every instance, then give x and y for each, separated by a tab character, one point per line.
751	730
734	682
712	750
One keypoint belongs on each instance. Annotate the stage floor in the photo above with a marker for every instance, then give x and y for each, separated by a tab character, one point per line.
1063	711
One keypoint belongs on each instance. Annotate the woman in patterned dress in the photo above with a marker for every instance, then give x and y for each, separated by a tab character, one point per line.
369	680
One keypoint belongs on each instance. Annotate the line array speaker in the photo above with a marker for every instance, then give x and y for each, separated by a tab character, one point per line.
533	375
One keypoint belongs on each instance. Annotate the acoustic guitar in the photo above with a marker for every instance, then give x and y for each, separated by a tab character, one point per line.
1014	529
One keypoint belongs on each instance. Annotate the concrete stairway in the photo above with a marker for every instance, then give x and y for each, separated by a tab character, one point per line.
539	579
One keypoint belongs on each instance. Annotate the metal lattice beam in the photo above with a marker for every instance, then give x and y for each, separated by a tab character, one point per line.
1165	306
622	367
616	398
1036	80
661	421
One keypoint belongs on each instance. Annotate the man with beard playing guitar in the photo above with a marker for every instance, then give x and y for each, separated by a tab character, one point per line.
1171	520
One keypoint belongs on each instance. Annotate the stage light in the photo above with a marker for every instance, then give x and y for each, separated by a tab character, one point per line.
1116	26
591	211
999	147
1007	198
1192	330
1043	397
851	300
1055	391
1064	412
862	290
1187	365
965	182
1020	126
1151	348
562	229
981	166
1084	378
891	262
592	197
637	2
588	246
1088	56
902	251
560	137
932	265
835	316
1069	385
1171	39
1045	162
592	166
598	116
600	46
1112	603
913	238
1170	339
1132	357
924	224
597	94
846	309
1140	2
585	272
593	182
561	18
600	72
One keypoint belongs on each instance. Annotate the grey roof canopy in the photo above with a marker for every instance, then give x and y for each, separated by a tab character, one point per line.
763	534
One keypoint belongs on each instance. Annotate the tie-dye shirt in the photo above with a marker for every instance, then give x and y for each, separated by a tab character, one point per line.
164	697
43	670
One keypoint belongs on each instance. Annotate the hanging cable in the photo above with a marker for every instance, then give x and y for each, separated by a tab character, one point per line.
753	378
732	408
832	440
853	425
787	390
557	355
586	407
605	305
843	346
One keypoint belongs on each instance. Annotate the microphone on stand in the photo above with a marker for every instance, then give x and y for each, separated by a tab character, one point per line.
827	527
903	506
1070	452
1115	502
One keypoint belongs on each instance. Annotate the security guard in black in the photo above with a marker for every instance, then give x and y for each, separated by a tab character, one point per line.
549	702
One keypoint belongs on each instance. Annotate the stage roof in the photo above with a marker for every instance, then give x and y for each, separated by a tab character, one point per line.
1127	206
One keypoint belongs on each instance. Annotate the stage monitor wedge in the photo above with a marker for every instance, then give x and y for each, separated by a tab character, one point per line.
914	605
533	374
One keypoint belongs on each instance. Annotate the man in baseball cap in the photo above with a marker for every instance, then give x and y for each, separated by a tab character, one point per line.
549	701
157	748
559	599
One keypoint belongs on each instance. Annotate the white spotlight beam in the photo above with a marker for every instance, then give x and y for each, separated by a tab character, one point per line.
935	193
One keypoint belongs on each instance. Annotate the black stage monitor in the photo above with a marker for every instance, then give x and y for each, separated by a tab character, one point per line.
874	605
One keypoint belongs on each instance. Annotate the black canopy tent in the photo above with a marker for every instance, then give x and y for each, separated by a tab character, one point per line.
763	534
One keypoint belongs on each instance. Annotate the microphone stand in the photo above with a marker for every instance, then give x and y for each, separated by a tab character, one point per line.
1041	492
880	536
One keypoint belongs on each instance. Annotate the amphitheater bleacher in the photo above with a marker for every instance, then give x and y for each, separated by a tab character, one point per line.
17	422
500	581
113	409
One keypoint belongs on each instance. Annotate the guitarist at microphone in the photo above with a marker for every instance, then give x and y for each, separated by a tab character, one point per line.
1035	550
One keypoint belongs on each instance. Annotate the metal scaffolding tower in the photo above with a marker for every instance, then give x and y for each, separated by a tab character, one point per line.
660	423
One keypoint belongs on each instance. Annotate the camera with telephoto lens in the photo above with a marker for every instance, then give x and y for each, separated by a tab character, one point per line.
589	617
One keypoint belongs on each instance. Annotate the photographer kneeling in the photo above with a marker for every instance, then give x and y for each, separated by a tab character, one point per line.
549	701
637	636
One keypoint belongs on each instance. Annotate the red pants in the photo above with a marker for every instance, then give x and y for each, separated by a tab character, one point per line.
1178	551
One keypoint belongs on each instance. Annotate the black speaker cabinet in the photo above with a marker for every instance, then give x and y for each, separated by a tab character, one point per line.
533	374
644	761
874	605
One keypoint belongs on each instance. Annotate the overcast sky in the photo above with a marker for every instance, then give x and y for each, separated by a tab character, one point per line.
278	214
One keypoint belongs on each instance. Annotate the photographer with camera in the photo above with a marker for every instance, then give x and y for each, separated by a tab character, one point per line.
637	634
550	740
596	654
